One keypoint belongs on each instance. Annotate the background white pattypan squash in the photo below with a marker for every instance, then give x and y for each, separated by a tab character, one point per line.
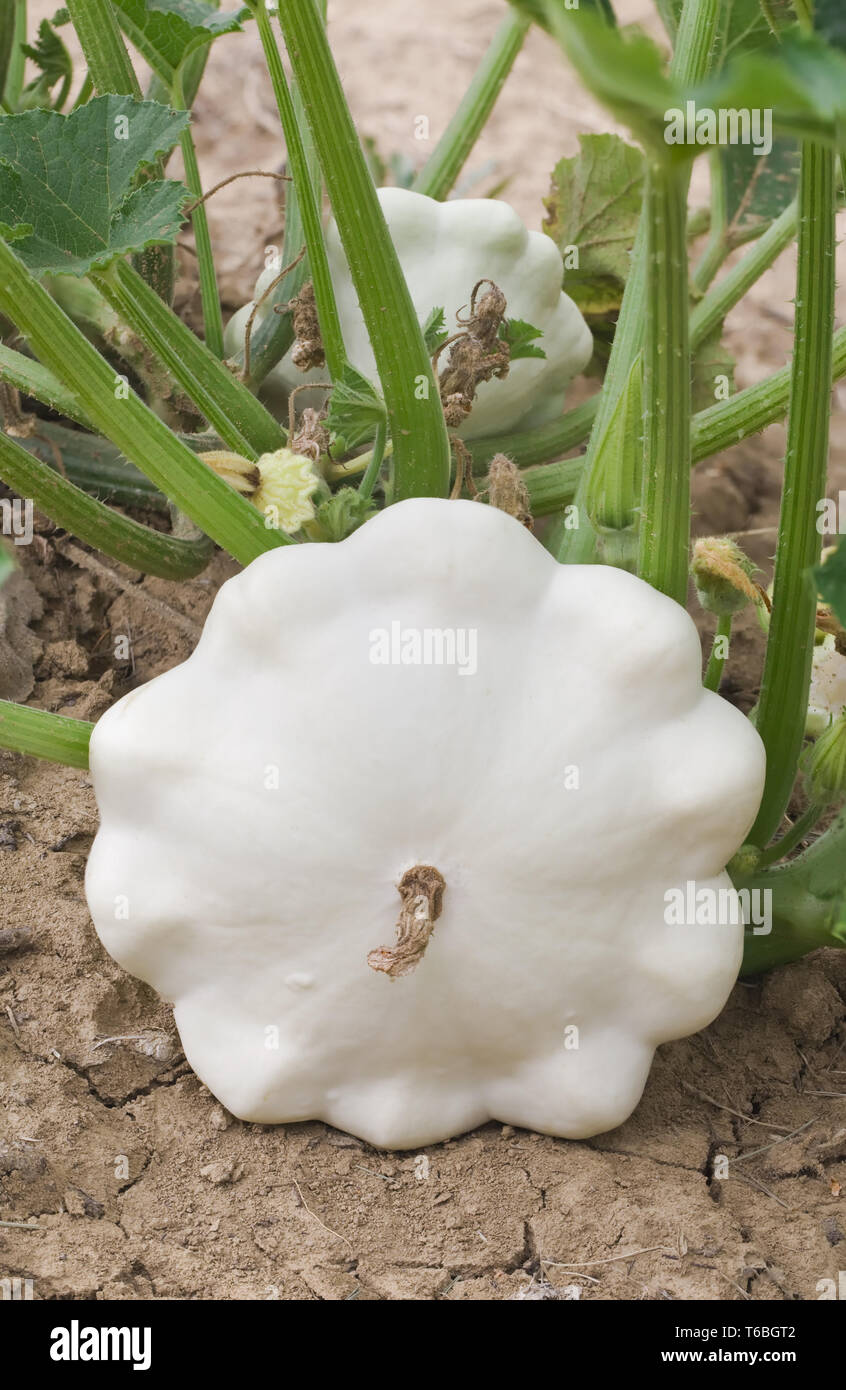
444	250
406	896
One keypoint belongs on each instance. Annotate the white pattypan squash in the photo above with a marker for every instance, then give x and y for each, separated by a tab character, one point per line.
399	838
444	250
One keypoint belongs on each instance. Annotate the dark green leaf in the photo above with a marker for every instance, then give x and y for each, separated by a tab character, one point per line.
831	581
520	337
66	183
167	32
594	207
355	409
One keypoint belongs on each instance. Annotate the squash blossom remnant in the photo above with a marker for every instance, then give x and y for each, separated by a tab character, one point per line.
281	485
723	576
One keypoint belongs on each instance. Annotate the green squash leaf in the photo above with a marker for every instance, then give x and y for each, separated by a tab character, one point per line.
435	331
167	32
594	206
355	409
66	183
520	337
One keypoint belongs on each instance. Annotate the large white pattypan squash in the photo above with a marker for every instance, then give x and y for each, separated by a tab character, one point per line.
444	250
405	838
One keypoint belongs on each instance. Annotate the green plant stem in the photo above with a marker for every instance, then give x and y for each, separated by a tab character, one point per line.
151	552
209	295
443	166
309	208
43	735
377	455
716	662
694	46
716	247
102	43
231	409
32	379
807	898
421	457
96	466
787	666
214	506
14	25
578	546
792	837
85	92
665	512
273	334
712	430
553	485
574	427
712	309
729	422
695	39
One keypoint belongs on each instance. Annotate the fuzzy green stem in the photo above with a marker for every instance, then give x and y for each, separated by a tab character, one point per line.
209	295
694	45
32	379
443	166
719	653
273	334
696	37
729	422
377	454
98	467
102	43
43	735
716	247
151	552
712	430
124	418
242	422
85	92
572	428
665	512
711	310
421	457
309	209
787	666
792	837
13	27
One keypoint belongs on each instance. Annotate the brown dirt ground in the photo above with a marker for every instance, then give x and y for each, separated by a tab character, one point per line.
137	1182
